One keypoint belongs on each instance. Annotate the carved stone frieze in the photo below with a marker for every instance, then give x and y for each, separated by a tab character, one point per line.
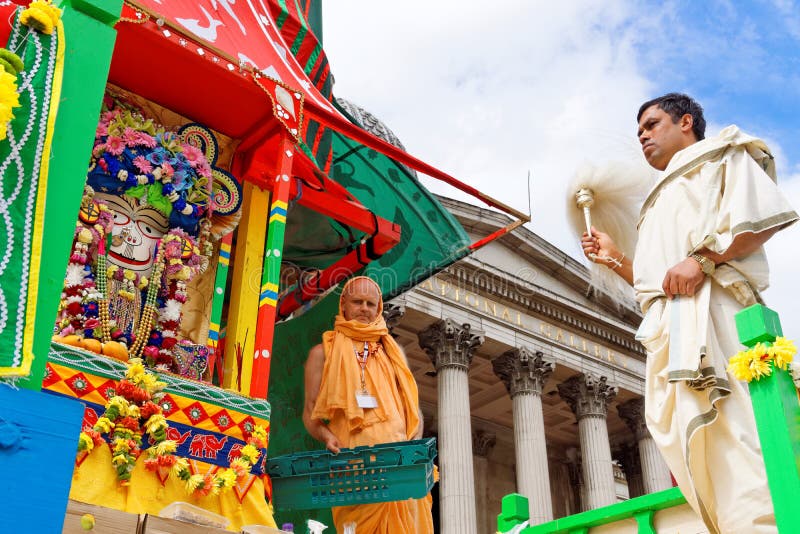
537	303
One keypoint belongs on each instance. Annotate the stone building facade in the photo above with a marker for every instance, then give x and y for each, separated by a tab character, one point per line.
532	382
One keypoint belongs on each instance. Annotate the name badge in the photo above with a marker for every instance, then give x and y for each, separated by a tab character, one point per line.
365	400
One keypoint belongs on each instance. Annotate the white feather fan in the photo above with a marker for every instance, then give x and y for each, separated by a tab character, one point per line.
618	190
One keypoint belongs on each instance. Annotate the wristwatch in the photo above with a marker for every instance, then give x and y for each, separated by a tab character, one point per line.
707	265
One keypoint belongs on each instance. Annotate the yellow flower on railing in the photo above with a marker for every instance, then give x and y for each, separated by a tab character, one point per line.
41	15
782	351
754	363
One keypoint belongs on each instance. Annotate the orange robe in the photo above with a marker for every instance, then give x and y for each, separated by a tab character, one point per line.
395	419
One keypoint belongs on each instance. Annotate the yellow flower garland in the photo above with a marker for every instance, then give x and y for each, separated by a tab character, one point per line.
754	363
41	15
225	479
9	99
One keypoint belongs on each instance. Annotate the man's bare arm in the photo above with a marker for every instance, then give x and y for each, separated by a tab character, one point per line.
742	245
313	378
685	277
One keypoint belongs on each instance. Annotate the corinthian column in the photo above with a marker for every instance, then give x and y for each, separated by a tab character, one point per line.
588	396
524	374
450	347
482	443
655	473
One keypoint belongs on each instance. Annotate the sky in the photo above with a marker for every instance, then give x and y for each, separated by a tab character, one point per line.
489	92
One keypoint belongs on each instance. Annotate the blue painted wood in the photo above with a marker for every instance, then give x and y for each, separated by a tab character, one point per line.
38	443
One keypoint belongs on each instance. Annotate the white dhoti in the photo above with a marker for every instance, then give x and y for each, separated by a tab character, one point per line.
707	436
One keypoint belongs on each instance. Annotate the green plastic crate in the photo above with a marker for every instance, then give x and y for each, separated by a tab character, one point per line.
363	475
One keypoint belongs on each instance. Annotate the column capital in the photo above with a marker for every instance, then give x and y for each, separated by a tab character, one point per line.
449	344
632	412
587	394
523	371
393	313
482	442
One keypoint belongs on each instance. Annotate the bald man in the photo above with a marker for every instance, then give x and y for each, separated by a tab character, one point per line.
358	381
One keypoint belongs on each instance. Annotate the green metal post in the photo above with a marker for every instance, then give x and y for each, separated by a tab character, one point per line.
777	414
89	38
513	511
644	520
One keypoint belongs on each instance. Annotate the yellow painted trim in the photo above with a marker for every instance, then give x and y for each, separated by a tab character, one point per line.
245	286
38	220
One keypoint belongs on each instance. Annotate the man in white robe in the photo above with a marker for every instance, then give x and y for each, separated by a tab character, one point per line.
699	259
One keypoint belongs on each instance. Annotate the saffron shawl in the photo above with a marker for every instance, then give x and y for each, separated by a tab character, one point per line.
341	376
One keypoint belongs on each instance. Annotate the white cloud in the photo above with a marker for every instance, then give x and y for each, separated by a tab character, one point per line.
783	252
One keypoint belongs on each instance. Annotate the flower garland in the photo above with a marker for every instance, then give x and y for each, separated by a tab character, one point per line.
225	479
183	261
135	409
10	66
79	310
41	15
754	363
134	156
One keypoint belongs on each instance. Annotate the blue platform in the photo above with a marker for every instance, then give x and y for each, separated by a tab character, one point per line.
38	444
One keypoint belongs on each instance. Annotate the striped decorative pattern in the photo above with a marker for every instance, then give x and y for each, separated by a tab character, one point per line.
220	281
102	367
271	277
291	19
24	160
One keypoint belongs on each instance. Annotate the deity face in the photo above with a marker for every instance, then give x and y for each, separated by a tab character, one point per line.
137	229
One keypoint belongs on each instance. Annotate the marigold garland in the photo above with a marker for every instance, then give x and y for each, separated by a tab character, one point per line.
225	479
10	66
136	409
754	363
41	15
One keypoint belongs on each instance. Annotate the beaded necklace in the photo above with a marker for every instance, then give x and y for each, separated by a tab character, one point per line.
150	311
362	361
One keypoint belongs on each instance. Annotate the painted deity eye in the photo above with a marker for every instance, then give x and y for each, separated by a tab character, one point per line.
121	219
148	230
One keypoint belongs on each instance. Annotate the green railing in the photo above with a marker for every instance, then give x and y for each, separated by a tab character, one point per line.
777	413
642	509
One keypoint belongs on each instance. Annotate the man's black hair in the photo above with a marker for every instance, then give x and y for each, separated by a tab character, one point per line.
677	105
